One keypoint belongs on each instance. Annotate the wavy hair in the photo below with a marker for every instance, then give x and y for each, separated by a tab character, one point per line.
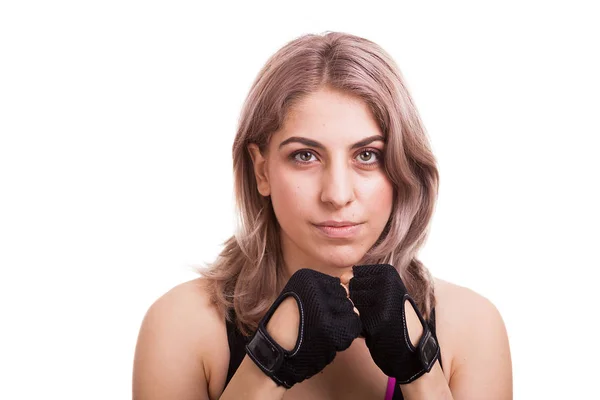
246	277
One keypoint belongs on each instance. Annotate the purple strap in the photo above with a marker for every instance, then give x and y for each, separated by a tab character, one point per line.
389	393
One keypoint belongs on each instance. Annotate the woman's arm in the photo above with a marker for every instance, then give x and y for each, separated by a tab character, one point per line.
481	368
178	337
168	361
249	381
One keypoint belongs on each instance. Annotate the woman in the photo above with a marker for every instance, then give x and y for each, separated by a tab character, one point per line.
319	295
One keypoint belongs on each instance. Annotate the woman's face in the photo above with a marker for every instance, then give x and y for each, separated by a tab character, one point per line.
324	173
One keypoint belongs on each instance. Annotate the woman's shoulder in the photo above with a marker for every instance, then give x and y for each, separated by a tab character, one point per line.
183	336
470	327
457	304
453	294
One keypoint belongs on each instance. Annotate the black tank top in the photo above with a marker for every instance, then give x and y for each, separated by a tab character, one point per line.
237	348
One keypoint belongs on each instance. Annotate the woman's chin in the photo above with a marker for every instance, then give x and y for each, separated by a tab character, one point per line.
340	262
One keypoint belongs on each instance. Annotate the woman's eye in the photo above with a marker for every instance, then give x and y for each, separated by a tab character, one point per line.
368	157
303	156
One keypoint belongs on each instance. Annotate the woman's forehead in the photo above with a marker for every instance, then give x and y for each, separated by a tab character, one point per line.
331	117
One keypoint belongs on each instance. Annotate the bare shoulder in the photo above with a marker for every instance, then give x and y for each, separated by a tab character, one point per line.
180	345
474	331
460	302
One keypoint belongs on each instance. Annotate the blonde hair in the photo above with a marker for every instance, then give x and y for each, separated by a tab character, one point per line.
247	277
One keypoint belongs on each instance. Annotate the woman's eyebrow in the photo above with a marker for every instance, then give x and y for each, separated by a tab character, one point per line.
313	143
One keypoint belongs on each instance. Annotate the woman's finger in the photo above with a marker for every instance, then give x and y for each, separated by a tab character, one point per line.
345	281
346	276
345	286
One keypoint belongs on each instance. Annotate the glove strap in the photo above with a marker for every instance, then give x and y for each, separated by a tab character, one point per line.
428	350
266	354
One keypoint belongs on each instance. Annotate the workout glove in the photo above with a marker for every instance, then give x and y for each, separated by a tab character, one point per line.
328	324
379	295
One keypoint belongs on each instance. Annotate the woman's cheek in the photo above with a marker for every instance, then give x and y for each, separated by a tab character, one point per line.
290	197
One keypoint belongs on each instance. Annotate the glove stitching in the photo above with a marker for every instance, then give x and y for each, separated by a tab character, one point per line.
301	324
410	346
410	379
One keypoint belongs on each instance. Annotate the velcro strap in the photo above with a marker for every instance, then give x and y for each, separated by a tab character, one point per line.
265	352
428	350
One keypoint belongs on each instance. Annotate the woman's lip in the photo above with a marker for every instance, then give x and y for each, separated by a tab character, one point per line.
339	231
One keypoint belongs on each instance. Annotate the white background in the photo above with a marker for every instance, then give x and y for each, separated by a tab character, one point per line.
116	124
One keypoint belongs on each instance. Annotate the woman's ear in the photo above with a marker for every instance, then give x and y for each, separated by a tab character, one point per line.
260	170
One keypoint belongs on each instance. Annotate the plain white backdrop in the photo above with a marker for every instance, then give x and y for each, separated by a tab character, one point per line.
116	125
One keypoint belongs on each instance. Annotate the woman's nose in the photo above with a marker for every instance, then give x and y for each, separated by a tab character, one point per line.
337	184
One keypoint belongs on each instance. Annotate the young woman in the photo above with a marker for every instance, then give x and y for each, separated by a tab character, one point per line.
319	295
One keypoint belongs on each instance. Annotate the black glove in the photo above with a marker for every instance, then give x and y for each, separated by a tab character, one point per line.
379	295
328	324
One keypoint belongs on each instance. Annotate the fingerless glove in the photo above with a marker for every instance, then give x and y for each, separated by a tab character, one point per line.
328	324
379	295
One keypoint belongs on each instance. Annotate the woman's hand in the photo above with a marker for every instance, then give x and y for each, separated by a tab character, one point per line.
310	321
415	329
396	334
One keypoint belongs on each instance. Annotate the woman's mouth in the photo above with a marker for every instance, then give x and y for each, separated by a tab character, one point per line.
342	230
